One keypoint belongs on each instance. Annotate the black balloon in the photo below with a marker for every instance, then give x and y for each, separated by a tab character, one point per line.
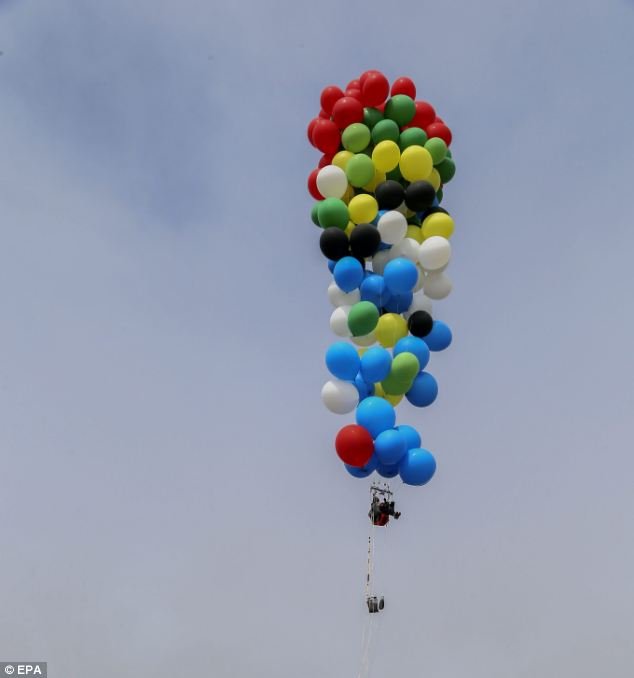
365	240
419	195
420	323
334	243
389	194
433	210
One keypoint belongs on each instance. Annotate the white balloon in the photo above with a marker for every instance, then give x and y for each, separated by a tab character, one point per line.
437	285
365	340
379	260
434	253
408	248
332	181
419	303
392	226
340	397
338	297
421	279
339	321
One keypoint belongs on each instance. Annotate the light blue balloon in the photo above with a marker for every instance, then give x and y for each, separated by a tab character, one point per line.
365	390
399	303
401	275
387	471
348	274
424	390
376	363
413	345
342	360
417	467
364	471
390	447
439	337
376	415
374	289
412	436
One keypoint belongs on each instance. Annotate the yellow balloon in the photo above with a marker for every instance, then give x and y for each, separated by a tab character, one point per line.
393	399
377	179
390	328
416	163
348	195
349	228
386	155
414	232
341	159
438	223
378	390
363	208
434	179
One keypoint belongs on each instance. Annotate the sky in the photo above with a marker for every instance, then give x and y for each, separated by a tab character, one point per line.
171	502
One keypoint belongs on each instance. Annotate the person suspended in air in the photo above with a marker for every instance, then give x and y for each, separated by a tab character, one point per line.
380	512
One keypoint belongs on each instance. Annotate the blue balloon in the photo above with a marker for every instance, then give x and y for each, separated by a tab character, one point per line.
424	390
331	265
376	415
364	471
413	345
439	337
401	275
412	436
374	289
417	467
365	390
343	360
348	274
387	471
399	303
384	245
390	447
376	363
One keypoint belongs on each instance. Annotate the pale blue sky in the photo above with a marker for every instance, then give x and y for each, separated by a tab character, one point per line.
171	501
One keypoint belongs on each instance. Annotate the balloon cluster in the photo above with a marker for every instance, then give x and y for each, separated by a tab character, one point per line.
378	188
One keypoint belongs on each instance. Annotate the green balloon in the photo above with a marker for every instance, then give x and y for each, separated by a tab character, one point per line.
405	367
333	212
314	214
362	318
414	221
356	137
360	170
385	130
414	136
439	195
437	149
393	386
401	109
394	174
371	116
449	153
446	169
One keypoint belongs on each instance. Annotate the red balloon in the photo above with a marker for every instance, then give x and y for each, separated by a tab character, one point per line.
354	445
325	159
439	129
365	74
346	111
404	85
375	89
323	114
326	136
329	96
354	93
312	185
311	127
424	116
354	84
